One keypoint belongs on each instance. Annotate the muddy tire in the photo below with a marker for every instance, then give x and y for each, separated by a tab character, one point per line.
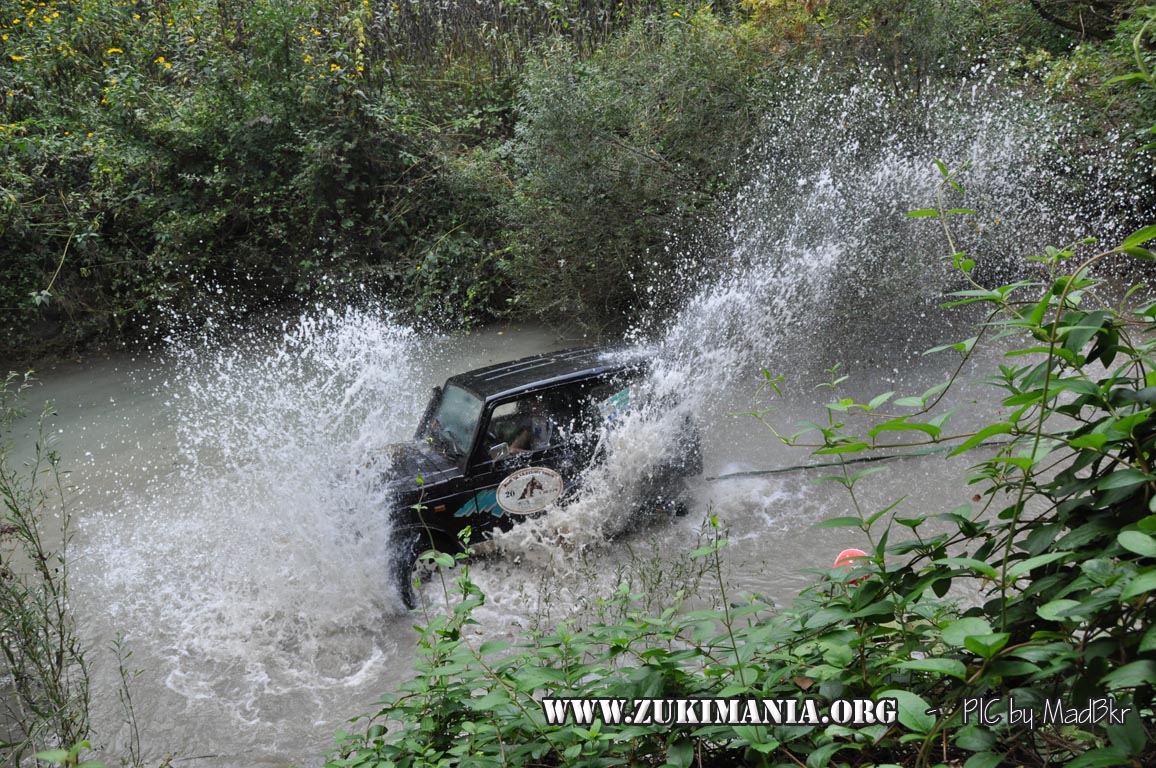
410	571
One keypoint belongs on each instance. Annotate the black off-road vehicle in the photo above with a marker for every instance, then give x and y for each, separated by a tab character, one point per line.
504	442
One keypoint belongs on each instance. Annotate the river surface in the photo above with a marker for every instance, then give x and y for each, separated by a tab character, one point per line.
220	534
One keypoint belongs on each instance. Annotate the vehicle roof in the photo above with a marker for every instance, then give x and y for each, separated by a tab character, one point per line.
539	371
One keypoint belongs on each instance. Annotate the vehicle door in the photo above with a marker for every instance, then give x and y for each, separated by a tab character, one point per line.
524	440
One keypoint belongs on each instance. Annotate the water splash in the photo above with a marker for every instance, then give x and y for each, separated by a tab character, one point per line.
256	569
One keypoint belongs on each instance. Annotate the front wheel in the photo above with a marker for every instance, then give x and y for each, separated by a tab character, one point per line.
410	570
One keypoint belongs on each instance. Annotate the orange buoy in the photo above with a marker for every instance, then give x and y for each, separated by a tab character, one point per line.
847	557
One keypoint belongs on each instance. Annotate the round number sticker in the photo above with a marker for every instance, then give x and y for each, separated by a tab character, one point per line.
529	490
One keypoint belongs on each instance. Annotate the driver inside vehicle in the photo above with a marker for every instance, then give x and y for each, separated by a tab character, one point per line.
533	428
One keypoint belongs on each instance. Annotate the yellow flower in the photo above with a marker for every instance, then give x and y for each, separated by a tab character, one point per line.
14	57
136	16
419	267
90	134
676	15
192	39
360	68
334	68
159	60
4	37
114	50
168	65
307	59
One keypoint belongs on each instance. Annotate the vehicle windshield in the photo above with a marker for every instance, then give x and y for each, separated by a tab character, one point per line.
455	420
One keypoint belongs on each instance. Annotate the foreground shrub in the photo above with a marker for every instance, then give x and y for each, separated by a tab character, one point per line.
44	694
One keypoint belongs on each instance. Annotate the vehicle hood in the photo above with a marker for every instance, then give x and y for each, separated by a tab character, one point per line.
408	461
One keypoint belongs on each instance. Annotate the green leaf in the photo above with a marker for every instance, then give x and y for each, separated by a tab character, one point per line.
1059	610
1140	585
963	347
842	448
1093	440
1104	757
680	754
1000	428
1122	478
952	667
1148	642
987	646
821	757
1031	563
922	213
838	655
1138	252
971	564
879	400
494	646
956	632
1125	78
840	522
53	755
974	738
1140	236
1132	675
912	710
984	760
1130	737
1140	543
902	425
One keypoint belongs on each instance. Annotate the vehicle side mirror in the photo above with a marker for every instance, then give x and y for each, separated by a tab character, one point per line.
500	451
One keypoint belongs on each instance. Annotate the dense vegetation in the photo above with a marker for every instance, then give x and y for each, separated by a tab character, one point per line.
167	154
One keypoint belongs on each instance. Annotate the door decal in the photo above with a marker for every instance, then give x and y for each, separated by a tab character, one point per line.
529	490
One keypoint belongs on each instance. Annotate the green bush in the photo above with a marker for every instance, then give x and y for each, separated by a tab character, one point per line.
155	154
617	153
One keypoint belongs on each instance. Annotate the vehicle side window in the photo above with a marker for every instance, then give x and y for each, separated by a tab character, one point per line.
563	416
525	425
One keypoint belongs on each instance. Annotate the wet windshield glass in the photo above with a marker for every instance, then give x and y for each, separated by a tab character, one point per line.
455	420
